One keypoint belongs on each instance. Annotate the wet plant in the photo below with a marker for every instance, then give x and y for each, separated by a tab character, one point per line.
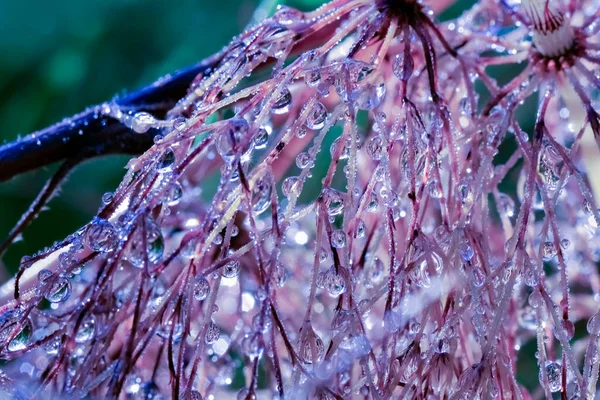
382	225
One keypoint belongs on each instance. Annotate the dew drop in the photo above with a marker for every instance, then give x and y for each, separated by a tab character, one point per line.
316	116
466	251
166	161
338	239
60	291
375	147
478	277
52	346
553	372
212	333
312	77
107	198
261	195
549	250
86	330
361	229
231	269
155	245
142	122
230	141
101	236
403	66
201	288
261	139
373	203
193	395
593	325
334	283
21	339
289	186
312	340
334	202
283	102
174	194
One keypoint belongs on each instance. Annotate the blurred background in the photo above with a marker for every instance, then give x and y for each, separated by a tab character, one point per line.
60	57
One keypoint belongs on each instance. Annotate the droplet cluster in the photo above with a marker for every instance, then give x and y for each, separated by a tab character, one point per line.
369	218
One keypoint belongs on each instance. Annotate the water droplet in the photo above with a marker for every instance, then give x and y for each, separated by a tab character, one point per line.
231	269
373	203
553	372
403	66
361	229
232	141
52	346
593	325
261	324
549	167
434	189
414	328
311	342
312	77
535	299
21	339
287	15
165	164
283	102
442	346
375	147
303	160
60	291
201	288
334	283
466	251
261	195
334	201
251	346
86	330
142	122
375	273
338	239
465	192
101	236
155	245
193	395
478	277
261	139
174	194
212	333
107	198
549	250
465	106
44	275
316	116
530	276
301	132
289	186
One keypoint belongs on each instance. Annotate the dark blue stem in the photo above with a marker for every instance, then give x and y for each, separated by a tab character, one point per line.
90	133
